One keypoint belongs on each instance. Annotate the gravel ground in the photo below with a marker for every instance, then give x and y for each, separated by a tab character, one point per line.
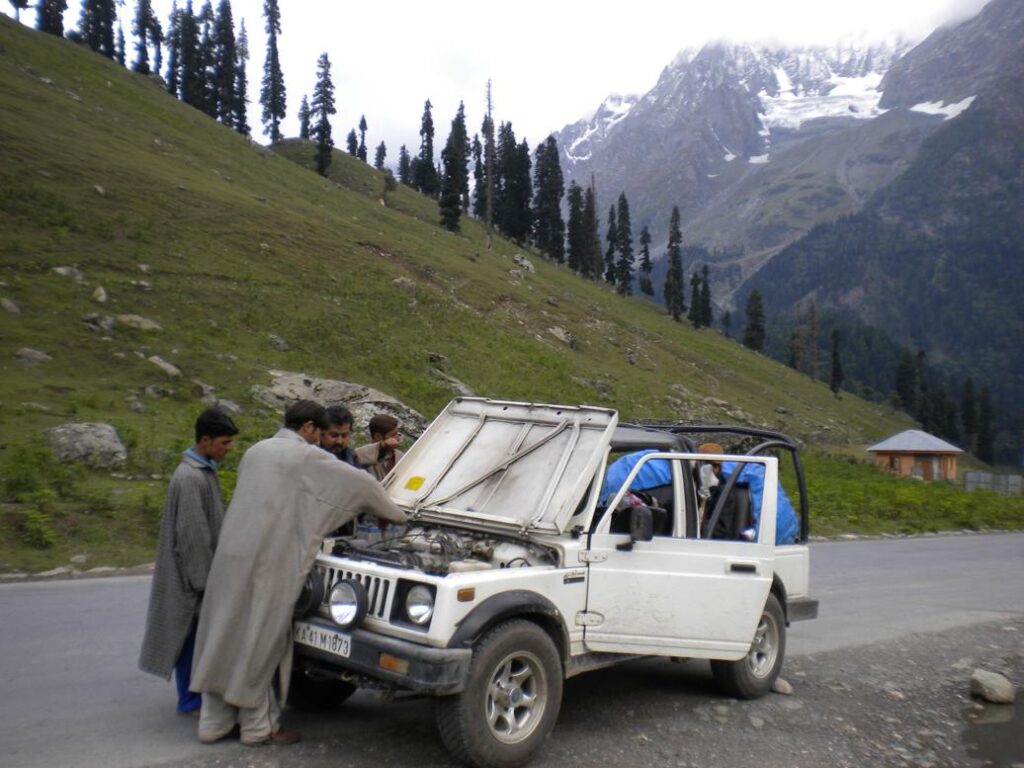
903	704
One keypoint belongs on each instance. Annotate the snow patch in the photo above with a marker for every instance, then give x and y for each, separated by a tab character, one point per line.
758	159
856	97
728	157
940	108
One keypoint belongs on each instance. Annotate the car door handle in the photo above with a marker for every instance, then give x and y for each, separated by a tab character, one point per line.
743	568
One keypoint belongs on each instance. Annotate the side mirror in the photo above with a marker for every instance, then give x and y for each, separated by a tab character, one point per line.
641	527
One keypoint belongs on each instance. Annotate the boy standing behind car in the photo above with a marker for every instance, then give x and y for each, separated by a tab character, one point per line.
189	529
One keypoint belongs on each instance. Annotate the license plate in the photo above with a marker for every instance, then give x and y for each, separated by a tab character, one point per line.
330	640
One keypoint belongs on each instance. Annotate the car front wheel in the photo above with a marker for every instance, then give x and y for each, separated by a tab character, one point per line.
511	700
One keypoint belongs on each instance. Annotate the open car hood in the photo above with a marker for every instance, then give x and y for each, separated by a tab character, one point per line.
504	466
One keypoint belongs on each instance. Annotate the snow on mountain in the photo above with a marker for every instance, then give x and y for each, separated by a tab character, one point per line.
577	138
939	108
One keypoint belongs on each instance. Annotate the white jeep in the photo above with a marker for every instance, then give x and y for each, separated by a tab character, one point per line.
519	567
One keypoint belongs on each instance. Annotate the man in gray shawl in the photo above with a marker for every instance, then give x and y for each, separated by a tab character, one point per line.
189	528
289	495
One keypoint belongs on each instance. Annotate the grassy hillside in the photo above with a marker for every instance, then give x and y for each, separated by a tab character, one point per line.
223	242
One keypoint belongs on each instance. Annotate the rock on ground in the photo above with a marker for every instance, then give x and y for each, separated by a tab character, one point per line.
364	402
170	369
94	444
991	686
32	356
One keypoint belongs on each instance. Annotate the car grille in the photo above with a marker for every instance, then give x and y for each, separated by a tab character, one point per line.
380	591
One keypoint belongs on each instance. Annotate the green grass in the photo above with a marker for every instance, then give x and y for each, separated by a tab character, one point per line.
236	242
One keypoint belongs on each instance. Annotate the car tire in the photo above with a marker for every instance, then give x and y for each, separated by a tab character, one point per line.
754	675
511	700
310	694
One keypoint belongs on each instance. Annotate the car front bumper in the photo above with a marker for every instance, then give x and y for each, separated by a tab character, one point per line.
410	666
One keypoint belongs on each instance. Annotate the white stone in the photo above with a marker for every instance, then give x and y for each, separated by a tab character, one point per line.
10	306
991	686
99	295
94	444
171	370
32	356
140	322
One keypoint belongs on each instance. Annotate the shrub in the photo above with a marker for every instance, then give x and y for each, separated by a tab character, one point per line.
35	528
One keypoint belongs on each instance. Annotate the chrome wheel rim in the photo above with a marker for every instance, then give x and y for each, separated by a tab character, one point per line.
765	648
516	697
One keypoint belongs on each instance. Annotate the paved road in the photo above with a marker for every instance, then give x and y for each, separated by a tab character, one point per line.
70	693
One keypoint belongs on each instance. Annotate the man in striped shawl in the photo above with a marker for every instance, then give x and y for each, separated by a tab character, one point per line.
188	537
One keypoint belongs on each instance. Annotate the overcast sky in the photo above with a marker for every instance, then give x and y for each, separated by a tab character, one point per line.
550	62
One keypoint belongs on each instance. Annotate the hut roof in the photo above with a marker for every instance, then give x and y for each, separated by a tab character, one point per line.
914	441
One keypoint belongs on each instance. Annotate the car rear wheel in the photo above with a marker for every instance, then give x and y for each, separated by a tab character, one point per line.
754	675
511	700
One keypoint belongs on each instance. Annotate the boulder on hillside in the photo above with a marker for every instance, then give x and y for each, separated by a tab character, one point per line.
10	306
139	322
364	402
32	356
169	368
100	295
73	272
524	262
97	322
94	444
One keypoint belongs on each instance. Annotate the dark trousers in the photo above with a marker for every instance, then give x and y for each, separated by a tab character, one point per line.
187	701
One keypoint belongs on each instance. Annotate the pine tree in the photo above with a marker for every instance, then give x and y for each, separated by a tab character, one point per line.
986	437
141	27
906	383
207	60
425	177
754	333
379	156
624	263
404	166
361	150
272	94
119	49
190	75
490	166
646	267
593	261
577	247
812	340
549	187
225	64
174	51
707	316
969	414
835	380
479	185
321	109
694	315
795	352
96	26
241	101
455	177
352	142
304	119
674	303
611	236
51	17
513	189
727	324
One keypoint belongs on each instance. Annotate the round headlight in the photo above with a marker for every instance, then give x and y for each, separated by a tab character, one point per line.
347	603
419	605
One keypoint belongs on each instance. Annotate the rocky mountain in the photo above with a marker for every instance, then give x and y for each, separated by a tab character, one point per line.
743	139
936	257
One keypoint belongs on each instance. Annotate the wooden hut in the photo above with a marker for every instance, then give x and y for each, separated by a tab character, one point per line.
917	454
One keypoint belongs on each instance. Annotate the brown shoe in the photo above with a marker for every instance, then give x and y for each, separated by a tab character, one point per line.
282	737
